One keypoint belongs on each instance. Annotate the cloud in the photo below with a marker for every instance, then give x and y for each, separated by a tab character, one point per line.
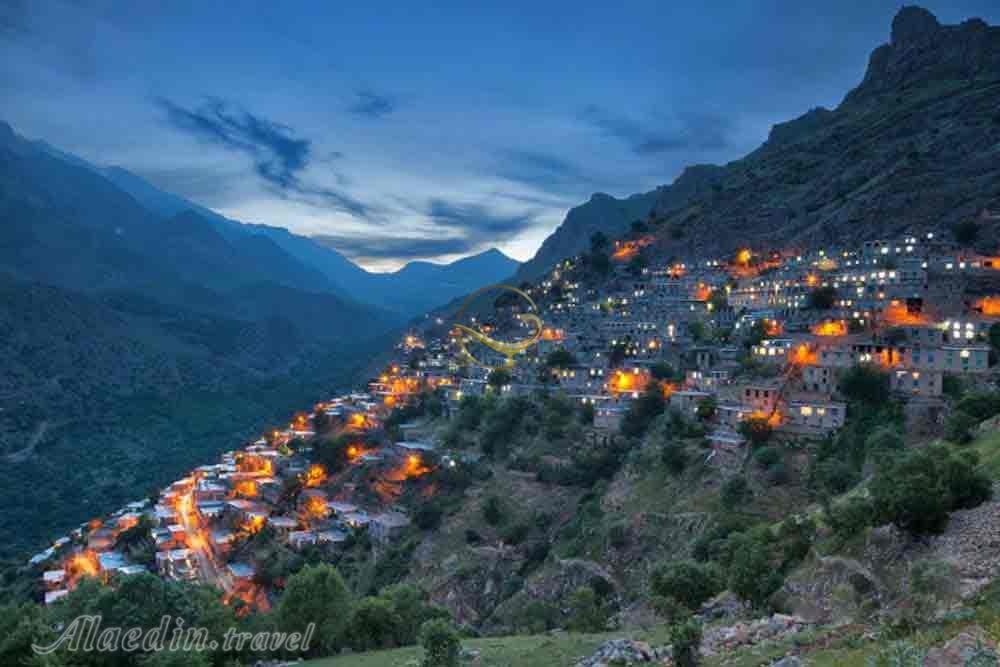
370	104
686	131
541	170
393	247
459	228
279	156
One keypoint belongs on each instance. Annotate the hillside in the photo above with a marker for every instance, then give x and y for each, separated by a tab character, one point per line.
913	148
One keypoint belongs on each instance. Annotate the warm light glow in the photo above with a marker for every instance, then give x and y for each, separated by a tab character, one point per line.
896	313
989	305
629	249
812	280
246	488
668	389
801	355
315	476
552	334
773	327
702	292
830	328
743	256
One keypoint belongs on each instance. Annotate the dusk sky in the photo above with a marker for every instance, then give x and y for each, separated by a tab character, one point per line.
405	130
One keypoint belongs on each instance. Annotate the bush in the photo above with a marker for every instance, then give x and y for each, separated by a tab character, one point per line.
767	456
735	492
428	515
917	491
493	511
958	427
846	519
822	298
374	624
674	456
687	581
751	574
587	612
440	643
316	594
777	474
685	638
643	410
757	430
865	385
618	535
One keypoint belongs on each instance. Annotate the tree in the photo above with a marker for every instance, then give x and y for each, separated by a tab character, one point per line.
718	300
689	582
316	594
598	242
735	492
428	516
958	427
331	453
587	414
374	624
674	456
414	608
685	639
499	377
637	264
966	232
767	456
662	372
756	429
493	511
643	410
440	643
560	358
751	574
822	298
587	612
866	385
707	408
917	490
884	440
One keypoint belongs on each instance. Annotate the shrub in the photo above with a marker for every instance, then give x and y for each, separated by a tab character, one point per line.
685	638
493	511
865	385
428	515
885	439
751	575
767	456
374	624
822	298
587	612
316	594
735	492
848	518
777	474
757	430
689	582
618	535
917	491
958	427
674	456
440	643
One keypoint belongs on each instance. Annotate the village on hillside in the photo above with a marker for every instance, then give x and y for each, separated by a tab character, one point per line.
742	343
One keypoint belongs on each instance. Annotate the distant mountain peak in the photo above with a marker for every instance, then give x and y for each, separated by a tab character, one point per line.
921	50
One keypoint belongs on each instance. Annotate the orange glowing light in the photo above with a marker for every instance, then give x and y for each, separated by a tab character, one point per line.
743	256
773	328
629	249
897	313
83	564
246	489
773	419
803	356
831	328
812	280
989	305
315	476
552	334
676	271
668	389
703	292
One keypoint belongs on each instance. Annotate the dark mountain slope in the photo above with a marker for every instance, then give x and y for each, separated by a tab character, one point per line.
915	147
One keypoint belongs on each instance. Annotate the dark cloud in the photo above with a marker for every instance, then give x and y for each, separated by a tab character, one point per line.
477	222
279	157
687	131
394	247
463	228
541	170
370	104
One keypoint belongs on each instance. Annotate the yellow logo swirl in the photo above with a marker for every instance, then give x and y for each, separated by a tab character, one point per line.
508	349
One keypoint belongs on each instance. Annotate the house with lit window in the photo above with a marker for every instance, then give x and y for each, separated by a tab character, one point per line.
813	417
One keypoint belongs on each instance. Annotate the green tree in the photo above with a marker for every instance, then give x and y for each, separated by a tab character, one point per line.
886	439
865	385
414	608
374	624
707	408
493	511
674	455
560	358
958	427
689	582
440	643
587	611
917	490
767	456
966	232
331	453
499	377
663	372
316	594
685	639
752	576
757	430
643	410
735	492
822	298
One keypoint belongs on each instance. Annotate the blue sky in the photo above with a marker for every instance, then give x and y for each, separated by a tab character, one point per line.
425	130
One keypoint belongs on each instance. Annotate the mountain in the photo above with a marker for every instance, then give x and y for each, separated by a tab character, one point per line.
912	148
414	289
